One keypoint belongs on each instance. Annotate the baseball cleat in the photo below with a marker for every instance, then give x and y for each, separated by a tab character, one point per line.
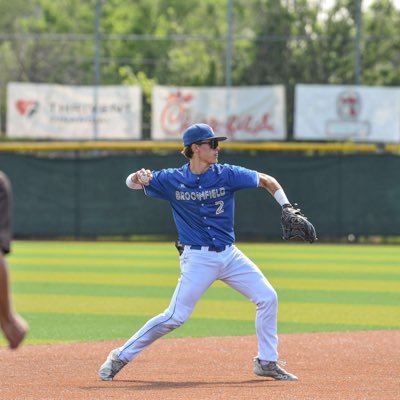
272	369
111	366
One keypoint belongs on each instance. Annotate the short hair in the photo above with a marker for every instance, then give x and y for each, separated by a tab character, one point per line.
187	151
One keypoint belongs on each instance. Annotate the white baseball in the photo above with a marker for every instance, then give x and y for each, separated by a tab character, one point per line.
144	179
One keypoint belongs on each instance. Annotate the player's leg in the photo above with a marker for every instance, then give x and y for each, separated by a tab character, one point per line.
243	275
197	274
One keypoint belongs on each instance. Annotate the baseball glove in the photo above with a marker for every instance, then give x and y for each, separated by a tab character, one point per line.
180	247
296	225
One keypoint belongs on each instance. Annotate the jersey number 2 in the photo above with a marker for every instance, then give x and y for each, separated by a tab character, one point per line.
220	208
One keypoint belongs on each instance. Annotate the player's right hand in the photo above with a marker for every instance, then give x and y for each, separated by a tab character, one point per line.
15	330
144	176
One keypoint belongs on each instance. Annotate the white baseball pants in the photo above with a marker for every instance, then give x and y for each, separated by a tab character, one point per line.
199	269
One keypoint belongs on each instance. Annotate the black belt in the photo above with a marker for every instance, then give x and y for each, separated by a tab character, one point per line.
218	249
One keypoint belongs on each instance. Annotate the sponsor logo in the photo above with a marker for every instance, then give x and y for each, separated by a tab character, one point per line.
347	125
177	114
27	107
348	105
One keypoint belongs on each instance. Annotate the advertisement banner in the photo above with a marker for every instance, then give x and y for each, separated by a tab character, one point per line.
240	113
42	111
357	113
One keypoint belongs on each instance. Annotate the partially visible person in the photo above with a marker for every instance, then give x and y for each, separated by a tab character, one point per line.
14	327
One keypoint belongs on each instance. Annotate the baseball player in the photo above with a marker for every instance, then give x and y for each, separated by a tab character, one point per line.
13	326
201	194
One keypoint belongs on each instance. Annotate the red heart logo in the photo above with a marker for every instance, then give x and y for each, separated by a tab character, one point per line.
23	106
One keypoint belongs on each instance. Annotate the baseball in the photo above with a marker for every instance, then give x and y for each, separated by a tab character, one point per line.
143	179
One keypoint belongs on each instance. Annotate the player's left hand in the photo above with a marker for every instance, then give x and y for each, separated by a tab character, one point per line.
296	225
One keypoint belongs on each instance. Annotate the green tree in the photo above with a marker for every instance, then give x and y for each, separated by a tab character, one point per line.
183	42
381	47
183	48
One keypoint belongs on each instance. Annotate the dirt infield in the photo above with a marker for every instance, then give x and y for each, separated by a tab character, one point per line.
357	365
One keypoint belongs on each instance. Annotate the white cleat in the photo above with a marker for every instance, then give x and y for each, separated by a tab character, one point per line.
272	369
111	366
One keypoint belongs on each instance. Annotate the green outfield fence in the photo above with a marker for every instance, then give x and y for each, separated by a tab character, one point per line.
77	189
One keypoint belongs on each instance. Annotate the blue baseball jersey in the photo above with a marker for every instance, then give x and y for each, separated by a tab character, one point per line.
202	205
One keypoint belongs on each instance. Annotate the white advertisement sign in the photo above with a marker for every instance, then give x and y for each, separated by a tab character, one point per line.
240	113
358	113
73	112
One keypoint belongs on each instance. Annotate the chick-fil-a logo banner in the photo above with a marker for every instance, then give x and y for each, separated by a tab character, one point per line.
241	113
73	112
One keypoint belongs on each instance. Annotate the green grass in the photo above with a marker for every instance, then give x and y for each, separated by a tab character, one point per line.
79	291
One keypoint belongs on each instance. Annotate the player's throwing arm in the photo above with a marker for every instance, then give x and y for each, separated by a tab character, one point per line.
139	179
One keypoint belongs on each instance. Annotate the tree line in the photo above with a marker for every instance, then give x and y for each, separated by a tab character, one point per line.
184	43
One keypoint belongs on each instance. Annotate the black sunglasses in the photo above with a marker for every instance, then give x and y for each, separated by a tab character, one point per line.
213	143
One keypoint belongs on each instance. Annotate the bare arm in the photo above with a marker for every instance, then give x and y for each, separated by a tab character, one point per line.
274	188
268	182
13	326
5	306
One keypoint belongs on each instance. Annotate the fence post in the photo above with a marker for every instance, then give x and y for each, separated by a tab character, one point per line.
357	63
228	58
96	71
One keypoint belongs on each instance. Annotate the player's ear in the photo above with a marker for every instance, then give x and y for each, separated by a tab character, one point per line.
194	147
187	152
